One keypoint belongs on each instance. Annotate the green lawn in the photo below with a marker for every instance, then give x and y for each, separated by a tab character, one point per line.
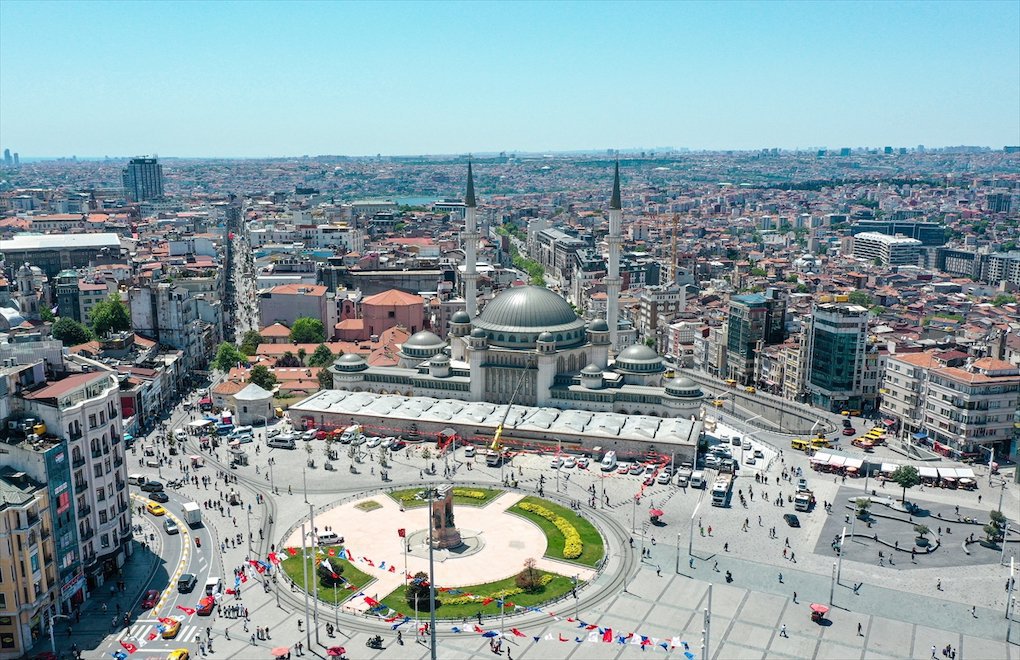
292	567
557	587
410	502
592	548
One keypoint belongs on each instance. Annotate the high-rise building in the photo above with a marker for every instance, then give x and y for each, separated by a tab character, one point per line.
8	161
17	160
143	179
837	346
753	318
888	250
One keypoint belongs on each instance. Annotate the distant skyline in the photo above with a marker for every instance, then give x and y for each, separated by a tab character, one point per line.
233	79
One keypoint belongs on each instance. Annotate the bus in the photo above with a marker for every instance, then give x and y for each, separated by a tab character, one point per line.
722	489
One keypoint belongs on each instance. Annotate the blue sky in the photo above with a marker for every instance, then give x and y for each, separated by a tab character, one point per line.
273	79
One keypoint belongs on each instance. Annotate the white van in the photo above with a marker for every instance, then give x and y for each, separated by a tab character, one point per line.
350	434
282	442
698	479
180	434
213	586
242	433
328	538
609	461
137	479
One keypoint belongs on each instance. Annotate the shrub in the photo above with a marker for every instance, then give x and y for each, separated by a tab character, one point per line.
572	546
473	494
529	578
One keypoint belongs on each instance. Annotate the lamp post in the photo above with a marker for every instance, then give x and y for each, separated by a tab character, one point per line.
250	550
690	542
432	582
832	584
54	616
304	563
315	583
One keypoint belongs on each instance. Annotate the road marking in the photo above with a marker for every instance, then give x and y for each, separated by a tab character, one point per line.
182	564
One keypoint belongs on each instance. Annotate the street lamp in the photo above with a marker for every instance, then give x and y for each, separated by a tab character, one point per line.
53	617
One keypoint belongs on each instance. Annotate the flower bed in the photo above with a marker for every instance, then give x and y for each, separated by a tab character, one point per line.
572	546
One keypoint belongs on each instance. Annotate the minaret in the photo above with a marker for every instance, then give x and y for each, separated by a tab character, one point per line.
470	247
613	281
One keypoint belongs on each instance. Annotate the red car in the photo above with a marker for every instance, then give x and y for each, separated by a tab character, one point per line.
151	598
849	430
205	607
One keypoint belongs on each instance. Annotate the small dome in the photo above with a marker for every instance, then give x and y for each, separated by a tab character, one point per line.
424	339
639	358
441	359
591	370
350	358
546	336
460	316
683	387
478	333
599	325
638	353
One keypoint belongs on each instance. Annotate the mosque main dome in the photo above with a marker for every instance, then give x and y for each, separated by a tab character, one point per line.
517	316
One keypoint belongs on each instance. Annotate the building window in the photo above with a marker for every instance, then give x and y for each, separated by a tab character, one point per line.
104	541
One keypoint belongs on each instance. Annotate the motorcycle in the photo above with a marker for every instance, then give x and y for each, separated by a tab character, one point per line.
198	541
374	642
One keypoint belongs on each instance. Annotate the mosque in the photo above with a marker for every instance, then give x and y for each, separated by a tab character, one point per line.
528	347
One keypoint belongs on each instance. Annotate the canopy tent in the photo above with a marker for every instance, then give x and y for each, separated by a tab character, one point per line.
889	468
965	473
837	461
855	463
821	457
920	435
199	423
928	472
947	473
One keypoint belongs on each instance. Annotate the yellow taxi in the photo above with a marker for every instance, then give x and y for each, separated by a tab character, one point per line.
179	654
750	390
718	403
172	629
155	509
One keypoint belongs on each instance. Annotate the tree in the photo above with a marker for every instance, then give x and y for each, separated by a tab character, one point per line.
529	579
418	591
301	353
70	332
906	476
307	330
321	357
250	342
325	379
861	298
227	357
46	315
922	530
996	525
288	359
262	376
110	315
863	504
999	300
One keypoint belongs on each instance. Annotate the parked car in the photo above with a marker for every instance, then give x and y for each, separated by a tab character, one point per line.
207	608
791	520
649	480
469	451
759	453
160	497
582	463
387	442
735	441
179	654
749	460
664	477
171	527
155	509
802	484
623	468
397	445
637	468
150	599
712	461
373	442
556	463
152	486
569	462
747	444
273	433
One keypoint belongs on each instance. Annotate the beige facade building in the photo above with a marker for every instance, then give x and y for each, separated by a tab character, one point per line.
28	574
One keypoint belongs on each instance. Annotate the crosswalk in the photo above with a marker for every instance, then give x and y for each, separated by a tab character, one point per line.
139	632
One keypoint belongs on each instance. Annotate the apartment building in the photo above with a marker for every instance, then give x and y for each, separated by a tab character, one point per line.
83	409
28	574
795	367
657	307
1002	267
289	302
972	407
903	387
754	320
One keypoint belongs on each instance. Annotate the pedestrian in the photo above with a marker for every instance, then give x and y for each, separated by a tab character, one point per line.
710	530
253	640
726	547
782	631
938	584
658	571
933	656
795	596
267	633
860	632
780	578
973	611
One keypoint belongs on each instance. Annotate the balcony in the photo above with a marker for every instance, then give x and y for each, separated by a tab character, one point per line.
97	453
84	511
77	462
89	559
47	558
74	435
80	487
117	462
113	413
120	485
87	534
45	533
114	439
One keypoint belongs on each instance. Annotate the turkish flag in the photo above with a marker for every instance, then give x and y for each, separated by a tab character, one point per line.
166	620
563	639
607	636
402	533
244	578
187	610
273	558
292	551
335	576
517	633
152	636
393	569
129	647
332	552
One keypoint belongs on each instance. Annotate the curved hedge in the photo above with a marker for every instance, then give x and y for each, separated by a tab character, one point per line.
572	546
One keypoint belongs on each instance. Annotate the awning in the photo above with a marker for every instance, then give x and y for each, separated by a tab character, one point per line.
205	401
837	461
128	436
928	472
947	473
821	457
856	463
965	473
199	423
889	422
920	435
889	468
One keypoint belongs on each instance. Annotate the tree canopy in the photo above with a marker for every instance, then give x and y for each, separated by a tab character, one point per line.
861	298
250	342
906	476
418	592
70	332
307	330
322	357
227	357
262	376
110	315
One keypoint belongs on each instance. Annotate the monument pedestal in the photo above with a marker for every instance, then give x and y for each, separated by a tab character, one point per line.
444	532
